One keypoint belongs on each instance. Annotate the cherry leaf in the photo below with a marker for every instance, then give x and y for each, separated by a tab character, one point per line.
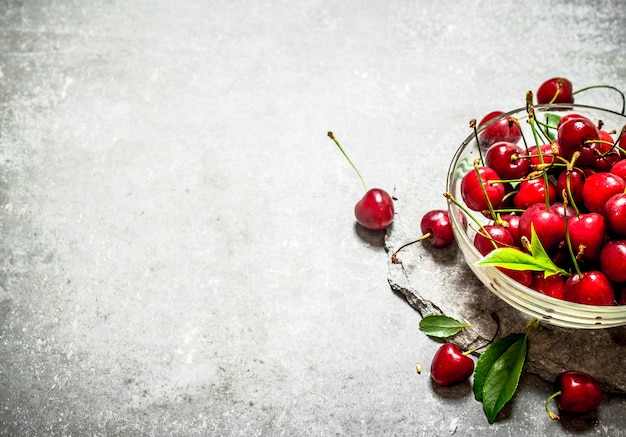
441	326
503	378
488	358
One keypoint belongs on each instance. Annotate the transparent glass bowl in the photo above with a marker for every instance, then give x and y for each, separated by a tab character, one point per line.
534	304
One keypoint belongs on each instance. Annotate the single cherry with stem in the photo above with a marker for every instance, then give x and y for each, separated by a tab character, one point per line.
577	393
436	228
375	210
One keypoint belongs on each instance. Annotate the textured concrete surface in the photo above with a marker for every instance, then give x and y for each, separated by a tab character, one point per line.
179	254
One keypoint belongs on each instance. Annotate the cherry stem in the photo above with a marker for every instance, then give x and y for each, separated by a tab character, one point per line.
394	256
568	240
332	137
552	415
607	87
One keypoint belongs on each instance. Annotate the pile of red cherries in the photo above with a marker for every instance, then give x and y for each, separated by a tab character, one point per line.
570	186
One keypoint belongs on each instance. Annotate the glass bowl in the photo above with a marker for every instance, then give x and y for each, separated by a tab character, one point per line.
530	302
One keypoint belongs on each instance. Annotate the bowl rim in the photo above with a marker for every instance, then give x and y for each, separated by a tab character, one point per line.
581	309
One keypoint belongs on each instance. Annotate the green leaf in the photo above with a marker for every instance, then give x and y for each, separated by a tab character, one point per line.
487	359
441	326
514	259
503	378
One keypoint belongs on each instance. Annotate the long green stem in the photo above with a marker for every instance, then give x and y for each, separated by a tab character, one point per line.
332	137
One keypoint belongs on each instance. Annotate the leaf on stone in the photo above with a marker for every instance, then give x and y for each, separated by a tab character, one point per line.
503	378
441	326
488	358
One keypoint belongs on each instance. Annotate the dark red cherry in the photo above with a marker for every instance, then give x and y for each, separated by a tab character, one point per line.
589	288
500	130
450	365
599	187
472	189
533	191
587	232
555	90
578	135
553	285
548	224
576	182
614	211
613	260
436	224
375	210
508	160
577	392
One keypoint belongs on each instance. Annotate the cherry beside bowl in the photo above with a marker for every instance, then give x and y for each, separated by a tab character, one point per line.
532	303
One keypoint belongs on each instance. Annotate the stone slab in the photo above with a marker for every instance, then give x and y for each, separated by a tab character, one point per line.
437	281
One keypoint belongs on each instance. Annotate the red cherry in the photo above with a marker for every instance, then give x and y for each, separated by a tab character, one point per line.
553	285
589	288
549	225
576	182
472	191
614	210
613	260
578	135
437	225
589	231
599	187
555	90
450	365
507	159
375	210
619	168
500	130
533	191
577	393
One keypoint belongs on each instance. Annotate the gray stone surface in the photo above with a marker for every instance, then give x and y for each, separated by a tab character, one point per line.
179	255
438	281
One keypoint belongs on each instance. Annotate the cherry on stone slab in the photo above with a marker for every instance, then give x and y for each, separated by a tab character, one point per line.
614	211
577	393
613	260
555	90
589	288
600	187
450	365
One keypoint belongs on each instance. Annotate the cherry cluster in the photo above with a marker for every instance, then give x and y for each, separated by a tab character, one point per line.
569	186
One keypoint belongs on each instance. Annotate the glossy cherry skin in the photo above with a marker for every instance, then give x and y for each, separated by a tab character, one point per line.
578	135
614	211
599	188
613	260
500	130
549	225
436	223
507	159
588	230
375	210
593	288
580	392
576	182
533	191
619	168
555	90
450	366
553	285
472	192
